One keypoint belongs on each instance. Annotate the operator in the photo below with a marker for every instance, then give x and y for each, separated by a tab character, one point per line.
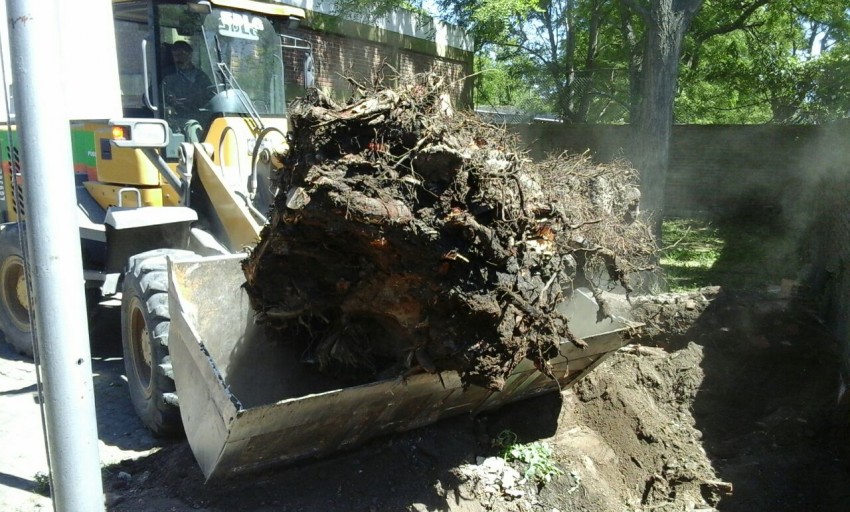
187	88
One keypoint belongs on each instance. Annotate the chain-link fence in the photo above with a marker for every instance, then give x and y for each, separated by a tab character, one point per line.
599	96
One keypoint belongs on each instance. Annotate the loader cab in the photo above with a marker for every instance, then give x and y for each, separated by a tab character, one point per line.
192	62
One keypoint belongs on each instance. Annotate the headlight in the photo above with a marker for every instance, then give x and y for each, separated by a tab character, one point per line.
139	133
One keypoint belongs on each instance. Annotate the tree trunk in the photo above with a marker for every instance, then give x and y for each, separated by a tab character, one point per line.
592	50
666	23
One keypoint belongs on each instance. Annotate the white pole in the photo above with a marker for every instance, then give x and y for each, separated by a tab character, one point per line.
54	261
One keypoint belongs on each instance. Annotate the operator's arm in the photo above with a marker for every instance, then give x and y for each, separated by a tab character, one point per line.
173	94
203	90
187	97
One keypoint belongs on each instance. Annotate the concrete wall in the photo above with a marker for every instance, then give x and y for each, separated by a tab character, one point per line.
829	232
716	169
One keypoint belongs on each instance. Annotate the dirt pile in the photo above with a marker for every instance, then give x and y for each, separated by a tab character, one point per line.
407	236
640	406
626	440
668	318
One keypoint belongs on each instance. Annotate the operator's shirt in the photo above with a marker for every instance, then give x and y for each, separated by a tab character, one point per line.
187	90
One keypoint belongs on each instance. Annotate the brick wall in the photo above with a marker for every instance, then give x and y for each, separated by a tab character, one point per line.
341	51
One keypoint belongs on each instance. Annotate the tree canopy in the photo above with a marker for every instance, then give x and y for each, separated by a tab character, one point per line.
776	61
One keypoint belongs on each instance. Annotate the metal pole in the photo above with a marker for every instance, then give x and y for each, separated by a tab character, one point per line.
54	261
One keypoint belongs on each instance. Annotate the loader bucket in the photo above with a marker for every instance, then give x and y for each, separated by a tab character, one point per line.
248	402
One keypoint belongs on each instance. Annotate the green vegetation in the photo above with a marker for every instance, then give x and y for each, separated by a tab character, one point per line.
690	250
42	484
736	254
536	457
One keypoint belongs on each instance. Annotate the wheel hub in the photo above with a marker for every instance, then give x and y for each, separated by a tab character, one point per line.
14	294
142	356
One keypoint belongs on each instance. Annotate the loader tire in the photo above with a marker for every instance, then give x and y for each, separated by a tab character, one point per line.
14	301
144	334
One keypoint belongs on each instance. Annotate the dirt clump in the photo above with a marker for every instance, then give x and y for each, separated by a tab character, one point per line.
407	236
639	405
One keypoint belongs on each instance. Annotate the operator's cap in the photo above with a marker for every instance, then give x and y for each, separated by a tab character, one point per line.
181	45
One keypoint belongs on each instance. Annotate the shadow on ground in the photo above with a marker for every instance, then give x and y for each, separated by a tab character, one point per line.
412	469
767	404
119	429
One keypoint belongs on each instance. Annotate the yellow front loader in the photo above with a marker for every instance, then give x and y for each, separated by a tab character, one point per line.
169	198
186	171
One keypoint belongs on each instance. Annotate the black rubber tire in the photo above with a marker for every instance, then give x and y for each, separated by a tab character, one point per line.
145	321
14	302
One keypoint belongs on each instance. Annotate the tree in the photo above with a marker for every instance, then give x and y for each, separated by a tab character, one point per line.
501	83
547	33
664	24
651	38
831	94
558	47
770	62
744	61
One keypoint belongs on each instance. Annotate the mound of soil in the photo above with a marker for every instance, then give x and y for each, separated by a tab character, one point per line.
639	406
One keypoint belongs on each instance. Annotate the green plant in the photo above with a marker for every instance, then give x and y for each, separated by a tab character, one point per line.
42	483
536	456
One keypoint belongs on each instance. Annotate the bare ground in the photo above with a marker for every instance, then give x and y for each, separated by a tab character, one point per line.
733	413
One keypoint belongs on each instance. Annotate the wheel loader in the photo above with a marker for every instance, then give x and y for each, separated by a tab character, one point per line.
169	199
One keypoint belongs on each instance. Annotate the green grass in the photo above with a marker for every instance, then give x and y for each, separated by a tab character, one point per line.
690	248
733	254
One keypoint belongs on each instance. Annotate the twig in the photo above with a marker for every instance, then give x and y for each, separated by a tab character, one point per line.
585	223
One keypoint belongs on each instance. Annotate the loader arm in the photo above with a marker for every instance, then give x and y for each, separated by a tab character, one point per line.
231	211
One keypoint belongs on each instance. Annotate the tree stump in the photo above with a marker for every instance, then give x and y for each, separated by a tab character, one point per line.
406	236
